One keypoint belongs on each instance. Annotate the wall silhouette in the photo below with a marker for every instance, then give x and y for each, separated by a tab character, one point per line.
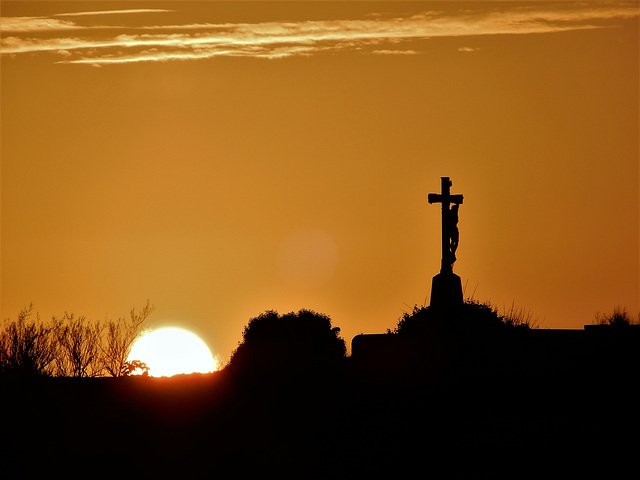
431	342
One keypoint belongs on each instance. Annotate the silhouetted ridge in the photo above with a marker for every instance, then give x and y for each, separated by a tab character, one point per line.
455	394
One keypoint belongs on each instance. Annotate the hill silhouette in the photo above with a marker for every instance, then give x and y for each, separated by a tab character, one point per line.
504	402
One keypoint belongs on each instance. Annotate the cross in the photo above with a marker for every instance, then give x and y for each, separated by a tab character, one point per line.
449	223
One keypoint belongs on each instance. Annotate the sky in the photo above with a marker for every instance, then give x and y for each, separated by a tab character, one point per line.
221	159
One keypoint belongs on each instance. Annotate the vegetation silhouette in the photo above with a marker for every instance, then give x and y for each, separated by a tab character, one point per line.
120	337
27	347
276	347
619	318
514	401
70	346
471	316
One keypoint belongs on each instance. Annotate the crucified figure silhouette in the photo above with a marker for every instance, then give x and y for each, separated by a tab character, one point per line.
450	235
454	234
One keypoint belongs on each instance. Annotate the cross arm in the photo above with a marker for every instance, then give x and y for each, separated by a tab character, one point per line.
434	198
437	198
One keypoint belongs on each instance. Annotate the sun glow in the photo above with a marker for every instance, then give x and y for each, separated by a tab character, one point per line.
172	351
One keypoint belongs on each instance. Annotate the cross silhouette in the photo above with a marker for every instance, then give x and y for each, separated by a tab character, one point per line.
450	234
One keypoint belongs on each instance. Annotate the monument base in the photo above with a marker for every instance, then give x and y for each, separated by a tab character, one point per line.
446	290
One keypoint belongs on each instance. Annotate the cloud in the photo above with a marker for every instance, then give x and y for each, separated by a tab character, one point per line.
16	45
113	12
42	24
36	24
394	52
373	34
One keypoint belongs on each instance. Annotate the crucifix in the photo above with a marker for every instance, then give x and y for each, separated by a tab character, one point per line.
450	235
447	287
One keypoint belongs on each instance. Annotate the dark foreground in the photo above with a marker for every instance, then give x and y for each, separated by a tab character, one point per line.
476	419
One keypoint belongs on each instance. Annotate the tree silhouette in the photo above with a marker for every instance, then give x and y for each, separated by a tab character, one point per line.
290	344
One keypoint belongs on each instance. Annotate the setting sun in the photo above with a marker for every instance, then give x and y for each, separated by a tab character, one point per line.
171	351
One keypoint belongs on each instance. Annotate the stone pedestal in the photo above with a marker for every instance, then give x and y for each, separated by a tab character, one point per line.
446	290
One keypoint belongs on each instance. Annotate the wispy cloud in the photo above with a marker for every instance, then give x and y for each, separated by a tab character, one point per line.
53	23
394	52
373	34
36	24
113	12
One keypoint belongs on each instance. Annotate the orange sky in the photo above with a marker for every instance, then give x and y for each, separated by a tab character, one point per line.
222	159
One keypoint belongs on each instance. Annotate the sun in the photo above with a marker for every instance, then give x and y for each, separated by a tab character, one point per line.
172	351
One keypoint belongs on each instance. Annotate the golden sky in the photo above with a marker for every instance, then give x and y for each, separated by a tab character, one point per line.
226	158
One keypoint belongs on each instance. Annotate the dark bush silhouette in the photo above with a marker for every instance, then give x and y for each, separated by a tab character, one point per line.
471	316
290	344
619	318
430	341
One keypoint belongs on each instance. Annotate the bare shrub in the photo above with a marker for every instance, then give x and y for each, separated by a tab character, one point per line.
80	352
519	317
120	337
619	317
27	346
70	346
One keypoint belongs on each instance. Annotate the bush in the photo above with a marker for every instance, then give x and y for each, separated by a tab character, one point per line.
470	316
289	344
619	318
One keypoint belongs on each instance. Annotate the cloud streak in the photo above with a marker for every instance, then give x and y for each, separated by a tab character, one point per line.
52	23
114	12
374	34
36	24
